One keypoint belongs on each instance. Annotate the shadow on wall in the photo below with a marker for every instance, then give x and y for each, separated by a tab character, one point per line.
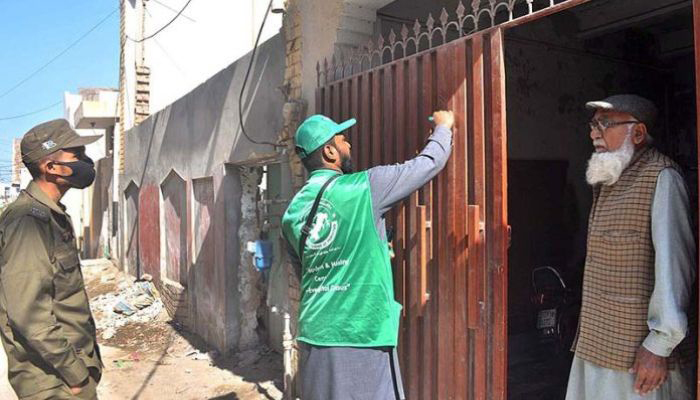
216	288
188	205
101	201
174	192
210	312
130	224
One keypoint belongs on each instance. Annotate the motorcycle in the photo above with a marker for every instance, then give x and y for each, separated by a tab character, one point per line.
557	309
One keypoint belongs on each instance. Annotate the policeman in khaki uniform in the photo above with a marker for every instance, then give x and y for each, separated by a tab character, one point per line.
47	328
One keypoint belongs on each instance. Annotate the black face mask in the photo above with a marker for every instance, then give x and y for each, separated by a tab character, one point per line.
83	172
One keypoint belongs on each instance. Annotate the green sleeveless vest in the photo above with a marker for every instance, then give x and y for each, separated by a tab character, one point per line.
347	290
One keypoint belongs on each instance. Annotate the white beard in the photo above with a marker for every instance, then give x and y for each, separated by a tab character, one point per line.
606	168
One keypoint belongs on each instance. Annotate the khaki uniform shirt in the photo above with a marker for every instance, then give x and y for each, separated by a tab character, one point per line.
46	325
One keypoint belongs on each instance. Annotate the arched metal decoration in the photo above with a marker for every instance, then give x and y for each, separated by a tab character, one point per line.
422	36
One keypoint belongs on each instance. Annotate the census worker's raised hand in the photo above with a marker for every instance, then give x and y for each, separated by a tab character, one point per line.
445	118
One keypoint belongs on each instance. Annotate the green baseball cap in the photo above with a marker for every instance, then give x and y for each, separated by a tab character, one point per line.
317	130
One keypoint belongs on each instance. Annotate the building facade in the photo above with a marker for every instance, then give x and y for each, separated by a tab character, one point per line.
187	176
192	190
93	111
513	196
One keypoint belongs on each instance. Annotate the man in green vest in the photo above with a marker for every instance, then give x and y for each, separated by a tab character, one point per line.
640	265
348	319
46	326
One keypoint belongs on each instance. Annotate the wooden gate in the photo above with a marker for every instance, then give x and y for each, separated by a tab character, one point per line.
451	281
451	237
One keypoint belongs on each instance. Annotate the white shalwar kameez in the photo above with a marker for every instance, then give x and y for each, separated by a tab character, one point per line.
674	244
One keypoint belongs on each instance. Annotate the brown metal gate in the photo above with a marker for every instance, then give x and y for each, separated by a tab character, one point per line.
451	281
452	236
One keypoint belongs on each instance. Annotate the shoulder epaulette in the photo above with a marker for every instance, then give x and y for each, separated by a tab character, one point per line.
39	212
25	205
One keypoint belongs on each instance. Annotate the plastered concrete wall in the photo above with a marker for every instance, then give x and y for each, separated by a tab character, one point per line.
207	37
149	231
204	277
174	192
329	27
130	229
198	137
98	232
319	26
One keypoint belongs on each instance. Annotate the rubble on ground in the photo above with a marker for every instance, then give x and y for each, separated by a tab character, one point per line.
159	358
132	301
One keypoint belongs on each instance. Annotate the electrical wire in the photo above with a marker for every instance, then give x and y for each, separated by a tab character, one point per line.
245	82
70	46
31	112
167	55
163	27
172	9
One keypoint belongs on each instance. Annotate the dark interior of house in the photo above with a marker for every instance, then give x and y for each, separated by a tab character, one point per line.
553	67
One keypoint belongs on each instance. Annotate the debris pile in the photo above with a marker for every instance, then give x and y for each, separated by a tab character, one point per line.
131	302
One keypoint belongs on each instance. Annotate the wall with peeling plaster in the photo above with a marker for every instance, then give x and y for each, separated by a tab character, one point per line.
249	282
195	146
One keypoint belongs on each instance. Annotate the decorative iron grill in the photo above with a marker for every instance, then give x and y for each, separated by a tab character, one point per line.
483	14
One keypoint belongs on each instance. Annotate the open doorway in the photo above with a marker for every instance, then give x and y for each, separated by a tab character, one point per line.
553	66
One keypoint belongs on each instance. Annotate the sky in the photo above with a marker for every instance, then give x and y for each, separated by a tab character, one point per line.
32	33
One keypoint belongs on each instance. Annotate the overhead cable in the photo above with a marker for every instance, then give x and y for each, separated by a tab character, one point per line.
163	27
245	81
172	9
70	46
31	112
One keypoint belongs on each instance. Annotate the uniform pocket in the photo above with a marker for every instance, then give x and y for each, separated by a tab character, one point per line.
68	279
68	261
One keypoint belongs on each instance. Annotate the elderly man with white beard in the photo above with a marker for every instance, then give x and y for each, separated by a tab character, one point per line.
639	267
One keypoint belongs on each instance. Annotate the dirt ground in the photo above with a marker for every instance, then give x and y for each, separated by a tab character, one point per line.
158	359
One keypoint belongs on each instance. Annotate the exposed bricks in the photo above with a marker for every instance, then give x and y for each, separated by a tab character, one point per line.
174	298
294	111
293	71
249	280
293	44
143	92
122	85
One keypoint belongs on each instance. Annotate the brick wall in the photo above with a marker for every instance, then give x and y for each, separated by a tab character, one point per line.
174	298
143	93
293	113
295	108
122	84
